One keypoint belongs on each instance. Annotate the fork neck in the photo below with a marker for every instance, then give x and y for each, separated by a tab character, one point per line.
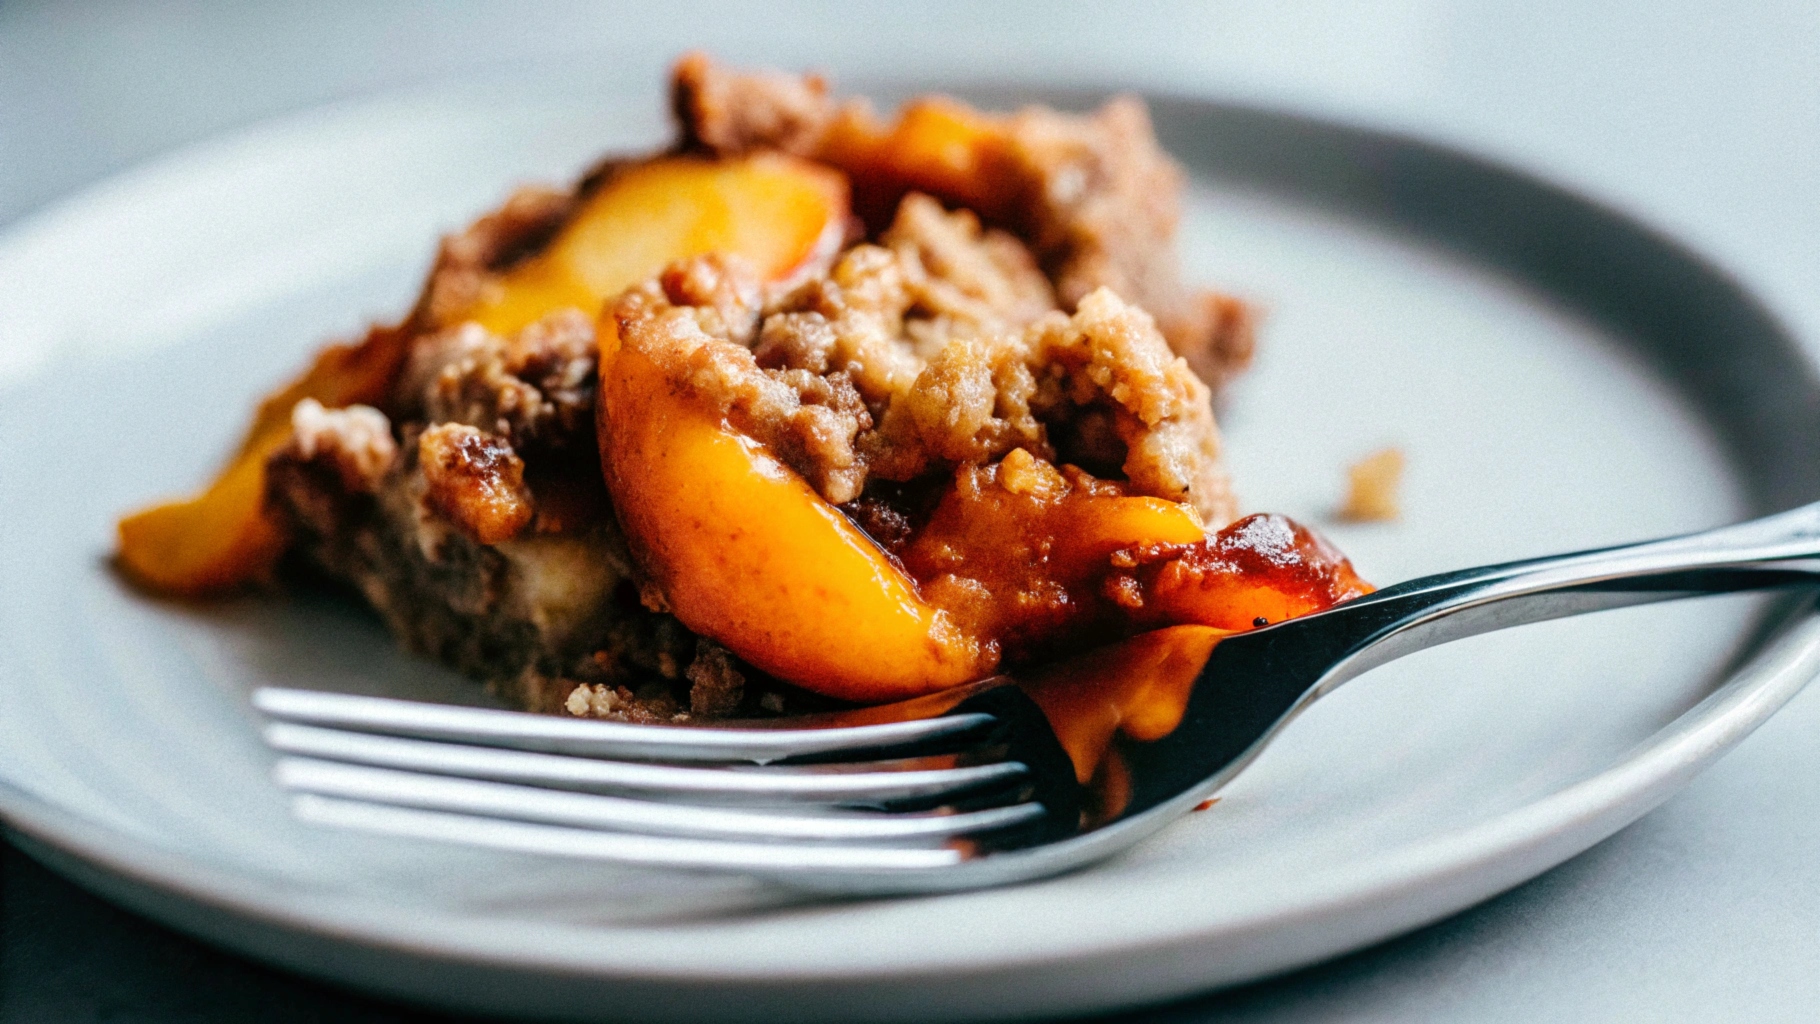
1255	682
1775	551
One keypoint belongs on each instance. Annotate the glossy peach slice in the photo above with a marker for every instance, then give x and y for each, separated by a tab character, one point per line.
1090	530
936	145
213	541
1139	687
219	538
746	552
779	213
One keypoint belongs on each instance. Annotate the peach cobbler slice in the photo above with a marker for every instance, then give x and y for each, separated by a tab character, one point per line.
814	407
880	545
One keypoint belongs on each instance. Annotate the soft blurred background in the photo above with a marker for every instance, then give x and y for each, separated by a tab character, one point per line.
1700	117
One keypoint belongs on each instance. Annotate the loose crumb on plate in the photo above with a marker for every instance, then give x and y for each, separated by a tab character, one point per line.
1371	490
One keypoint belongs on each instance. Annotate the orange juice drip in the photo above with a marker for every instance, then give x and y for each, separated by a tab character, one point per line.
1138	688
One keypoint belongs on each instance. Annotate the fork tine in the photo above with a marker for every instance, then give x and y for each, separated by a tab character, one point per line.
837	784
593	738
589	810
656	851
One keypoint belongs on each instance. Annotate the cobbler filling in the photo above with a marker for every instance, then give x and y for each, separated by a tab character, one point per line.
813	408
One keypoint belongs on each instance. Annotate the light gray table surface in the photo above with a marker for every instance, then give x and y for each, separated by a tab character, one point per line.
1702	118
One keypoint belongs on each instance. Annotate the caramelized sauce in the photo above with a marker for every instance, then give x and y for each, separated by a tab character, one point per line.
1019	553
1259	570
1138	688
1033	558
1108	793
1035	561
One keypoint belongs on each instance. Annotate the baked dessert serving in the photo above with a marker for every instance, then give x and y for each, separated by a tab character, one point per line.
814	407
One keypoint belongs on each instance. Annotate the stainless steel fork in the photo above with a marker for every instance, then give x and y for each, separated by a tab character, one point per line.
981	793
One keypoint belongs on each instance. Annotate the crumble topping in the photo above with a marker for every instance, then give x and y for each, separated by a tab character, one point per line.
476	480
1008	341
1094	195
355	442
467	261
534	388
895	365
716	683
1371	488
732	113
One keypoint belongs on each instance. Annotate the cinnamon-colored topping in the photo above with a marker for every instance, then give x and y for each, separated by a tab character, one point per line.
715	682
727	113
1094	195
467	261
1371	492
476	480
928	355
354	443
534	389
811	421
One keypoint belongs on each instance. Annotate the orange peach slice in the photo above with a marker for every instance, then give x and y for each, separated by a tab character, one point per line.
936	145
1139	687
220	538
779	212
746	552
213	541
1091	529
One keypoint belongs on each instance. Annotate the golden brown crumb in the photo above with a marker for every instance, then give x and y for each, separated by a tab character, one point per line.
723	112
535	389
810	420
715	682
577	703
356	442
940	349
475	480
1371	491
1161	409
1094	195
465	262
1024	473
961	274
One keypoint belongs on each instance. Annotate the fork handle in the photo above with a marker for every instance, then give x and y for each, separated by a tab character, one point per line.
1774	551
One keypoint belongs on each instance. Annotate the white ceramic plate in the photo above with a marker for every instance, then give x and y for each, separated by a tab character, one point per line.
143	318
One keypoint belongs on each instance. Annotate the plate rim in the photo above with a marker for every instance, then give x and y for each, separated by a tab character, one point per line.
143	875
